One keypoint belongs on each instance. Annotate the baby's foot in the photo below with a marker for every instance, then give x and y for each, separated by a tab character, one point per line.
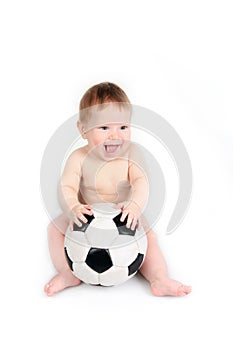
60	282
169	287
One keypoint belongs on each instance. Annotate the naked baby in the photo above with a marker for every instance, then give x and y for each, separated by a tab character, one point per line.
108	169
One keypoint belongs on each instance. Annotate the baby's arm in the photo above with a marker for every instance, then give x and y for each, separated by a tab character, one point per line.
140	191
140	186
69	188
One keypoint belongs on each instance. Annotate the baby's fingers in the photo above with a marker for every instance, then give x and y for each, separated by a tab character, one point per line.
81	217
123	216
130	220
88	207
134	224
86	211
77	222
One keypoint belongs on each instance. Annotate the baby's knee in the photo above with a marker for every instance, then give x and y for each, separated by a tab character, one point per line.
151	235
59	224
51	227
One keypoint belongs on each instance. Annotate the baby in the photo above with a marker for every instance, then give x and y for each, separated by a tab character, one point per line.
108	169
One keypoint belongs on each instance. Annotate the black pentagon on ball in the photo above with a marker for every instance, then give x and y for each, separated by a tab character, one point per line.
99	259
84	224
121	226
134	266
69	261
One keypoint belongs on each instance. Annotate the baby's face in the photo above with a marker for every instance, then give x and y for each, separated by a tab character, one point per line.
108	131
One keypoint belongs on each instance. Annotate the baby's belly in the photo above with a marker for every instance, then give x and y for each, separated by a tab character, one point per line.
121	193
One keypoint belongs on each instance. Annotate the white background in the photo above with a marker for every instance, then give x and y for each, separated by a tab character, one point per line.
174	57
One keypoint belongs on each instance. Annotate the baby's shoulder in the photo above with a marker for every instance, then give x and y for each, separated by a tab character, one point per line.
78	155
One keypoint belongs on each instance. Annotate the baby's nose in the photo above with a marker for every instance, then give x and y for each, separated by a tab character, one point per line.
114	134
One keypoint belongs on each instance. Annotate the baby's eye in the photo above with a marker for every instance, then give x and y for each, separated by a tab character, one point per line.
103	128
124	127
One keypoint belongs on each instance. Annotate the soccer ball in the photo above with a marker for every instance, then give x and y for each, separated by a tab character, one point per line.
104	251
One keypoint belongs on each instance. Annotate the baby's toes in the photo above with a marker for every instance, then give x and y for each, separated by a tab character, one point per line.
183	290
48	289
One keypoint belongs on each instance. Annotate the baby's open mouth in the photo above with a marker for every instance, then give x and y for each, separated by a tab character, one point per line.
111	148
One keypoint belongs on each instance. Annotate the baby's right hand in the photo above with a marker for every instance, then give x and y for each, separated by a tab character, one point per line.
77	214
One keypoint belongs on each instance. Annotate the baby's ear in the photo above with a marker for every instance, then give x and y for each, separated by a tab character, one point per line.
81	129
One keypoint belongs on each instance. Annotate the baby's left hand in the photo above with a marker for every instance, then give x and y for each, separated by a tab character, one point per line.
132	210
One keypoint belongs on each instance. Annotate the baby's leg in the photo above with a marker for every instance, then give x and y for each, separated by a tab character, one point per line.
64	278
154	269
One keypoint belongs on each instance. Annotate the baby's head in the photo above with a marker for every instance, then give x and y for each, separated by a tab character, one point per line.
105	113
98	98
